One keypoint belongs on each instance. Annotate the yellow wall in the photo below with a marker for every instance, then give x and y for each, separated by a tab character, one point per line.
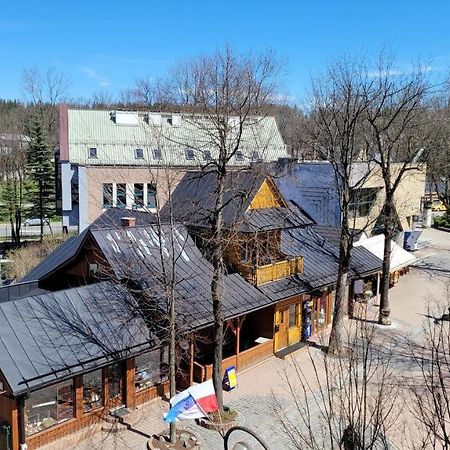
267	197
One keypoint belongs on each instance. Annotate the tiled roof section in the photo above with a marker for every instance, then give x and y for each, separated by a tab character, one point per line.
48	337
194	200
172	134
194	197
135	254
63	254
320	263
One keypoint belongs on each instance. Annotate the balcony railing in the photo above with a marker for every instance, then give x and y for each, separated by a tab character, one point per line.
271	272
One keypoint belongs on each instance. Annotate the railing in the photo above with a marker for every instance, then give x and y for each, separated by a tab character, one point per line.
271	272
245	359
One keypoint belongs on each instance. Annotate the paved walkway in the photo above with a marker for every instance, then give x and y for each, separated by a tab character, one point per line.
263	387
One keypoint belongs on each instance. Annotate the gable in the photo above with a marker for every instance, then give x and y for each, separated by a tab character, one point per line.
267	196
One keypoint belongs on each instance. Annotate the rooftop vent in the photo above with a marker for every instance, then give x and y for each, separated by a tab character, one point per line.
128	222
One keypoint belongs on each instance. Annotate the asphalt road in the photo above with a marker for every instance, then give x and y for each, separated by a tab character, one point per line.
5	229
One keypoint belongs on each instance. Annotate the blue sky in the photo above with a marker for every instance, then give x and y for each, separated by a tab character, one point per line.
106	45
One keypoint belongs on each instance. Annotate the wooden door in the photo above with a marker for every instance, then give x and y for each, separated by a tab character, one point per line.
281	335
116	384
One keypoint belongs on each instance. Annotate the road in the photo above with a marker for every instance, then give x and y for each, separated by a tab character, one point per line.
5	230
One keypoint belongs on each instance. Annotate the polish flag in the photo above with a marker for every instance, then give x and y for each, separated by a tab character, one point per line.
193	403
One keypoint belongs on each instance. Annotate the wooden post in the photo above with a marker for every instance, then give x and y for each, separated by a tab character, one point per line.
105	390
78	387
130	387
191	361
238	335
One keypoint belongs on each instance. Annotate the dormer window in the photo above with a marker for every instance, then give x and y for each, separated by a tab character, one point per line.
239	155
207	155
189	154
255	156
139	153
93	152
157	154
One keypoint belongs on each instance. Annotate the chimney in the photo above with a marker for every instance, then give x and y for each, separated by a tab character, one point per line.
128	222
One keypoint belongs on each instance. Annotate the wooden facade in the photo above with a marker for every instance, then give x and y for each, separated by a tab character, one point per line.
82	420
267	196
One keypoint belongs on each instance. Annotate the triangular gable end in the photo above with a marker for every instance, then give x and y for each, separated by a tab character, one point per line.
268	196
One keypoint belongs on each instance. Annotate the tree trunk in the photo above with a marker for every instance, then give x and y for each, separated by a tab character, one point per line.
385	310
41	210
335	343
172	363
216	292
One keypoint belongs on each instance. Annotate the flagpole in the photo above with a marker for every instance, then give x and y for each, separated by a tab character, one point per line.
212	421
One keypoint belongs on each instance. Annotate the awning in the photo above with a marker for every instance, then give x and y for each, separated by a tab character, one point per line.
399	258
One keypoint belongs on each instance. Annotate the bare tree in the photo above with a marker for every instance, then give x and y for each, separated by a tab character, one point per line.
224	91
396	137
430	387
339	106
344	403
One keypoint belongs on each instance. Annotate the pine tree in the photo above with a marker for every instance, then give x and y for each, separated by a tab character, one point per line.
41	173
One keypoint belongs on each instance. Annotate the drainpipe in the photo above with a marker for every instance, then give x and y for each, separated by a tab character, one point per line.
21	419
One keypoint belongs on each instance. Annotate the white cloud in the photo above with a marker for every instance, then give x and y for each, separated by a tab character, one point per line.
399	72
94	75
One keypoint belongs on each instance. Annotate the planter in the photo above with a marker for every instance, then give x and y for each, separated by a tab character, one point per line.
229	420
185	440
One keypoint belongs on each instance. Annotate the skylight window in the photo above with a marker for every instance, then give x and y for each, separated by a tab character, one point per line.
189	154
139	153
157	154
239	155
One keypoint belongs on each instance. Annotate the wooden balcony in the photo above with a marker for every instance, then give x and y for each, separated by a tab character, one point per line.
271	272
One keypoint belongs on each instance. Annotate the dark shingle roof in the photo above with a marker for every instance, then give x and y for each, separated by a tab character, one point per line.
194	199
56	335
63	254
111	218
134	254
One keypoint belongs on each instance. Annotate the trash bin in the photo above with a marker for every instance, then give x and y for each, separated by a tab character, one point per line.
5	436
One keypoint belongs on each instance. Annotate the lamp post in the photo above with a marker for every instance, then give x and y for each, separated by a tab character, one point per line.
243	444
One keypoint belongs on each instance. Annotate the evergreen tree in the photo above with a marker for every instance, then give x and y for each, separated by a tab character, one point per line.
41	173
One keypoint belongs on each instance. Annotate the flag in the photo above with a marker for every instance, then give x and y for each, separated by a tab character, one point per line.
193	403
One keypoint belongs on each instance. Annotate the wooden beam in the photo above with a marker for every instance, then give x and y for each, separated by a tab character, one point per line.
78	388
130	387
238	335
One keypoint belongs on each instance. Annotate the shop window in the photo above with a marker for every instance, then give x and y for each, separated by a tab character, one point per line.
138	195
121	195
48	407
115	377
151	195
150	369
107	195
92	390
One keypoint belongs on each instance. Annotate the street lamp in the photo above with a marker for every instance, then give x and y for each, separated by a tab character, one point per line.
243	444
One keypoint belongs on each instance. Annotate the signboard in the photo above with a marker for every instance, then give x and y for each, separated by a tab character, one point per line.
230	378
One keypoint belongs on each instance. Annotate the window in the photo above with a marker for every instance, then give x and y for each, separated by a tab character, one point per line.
361	201
139	195
93	152
207	155
189	154
157	154
115	377
74	193
121	195
151	195
151	369
255	156
139	153
239	155
292	315
107	195
49	406
92	390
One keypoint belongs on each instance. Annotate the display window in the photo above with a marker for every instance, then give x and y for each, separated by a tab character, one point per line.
48	407
92	390
151	369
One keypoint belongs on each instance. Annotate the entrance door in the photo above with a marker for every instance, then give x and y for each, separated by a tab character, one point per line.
116	384
294	323
281	335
